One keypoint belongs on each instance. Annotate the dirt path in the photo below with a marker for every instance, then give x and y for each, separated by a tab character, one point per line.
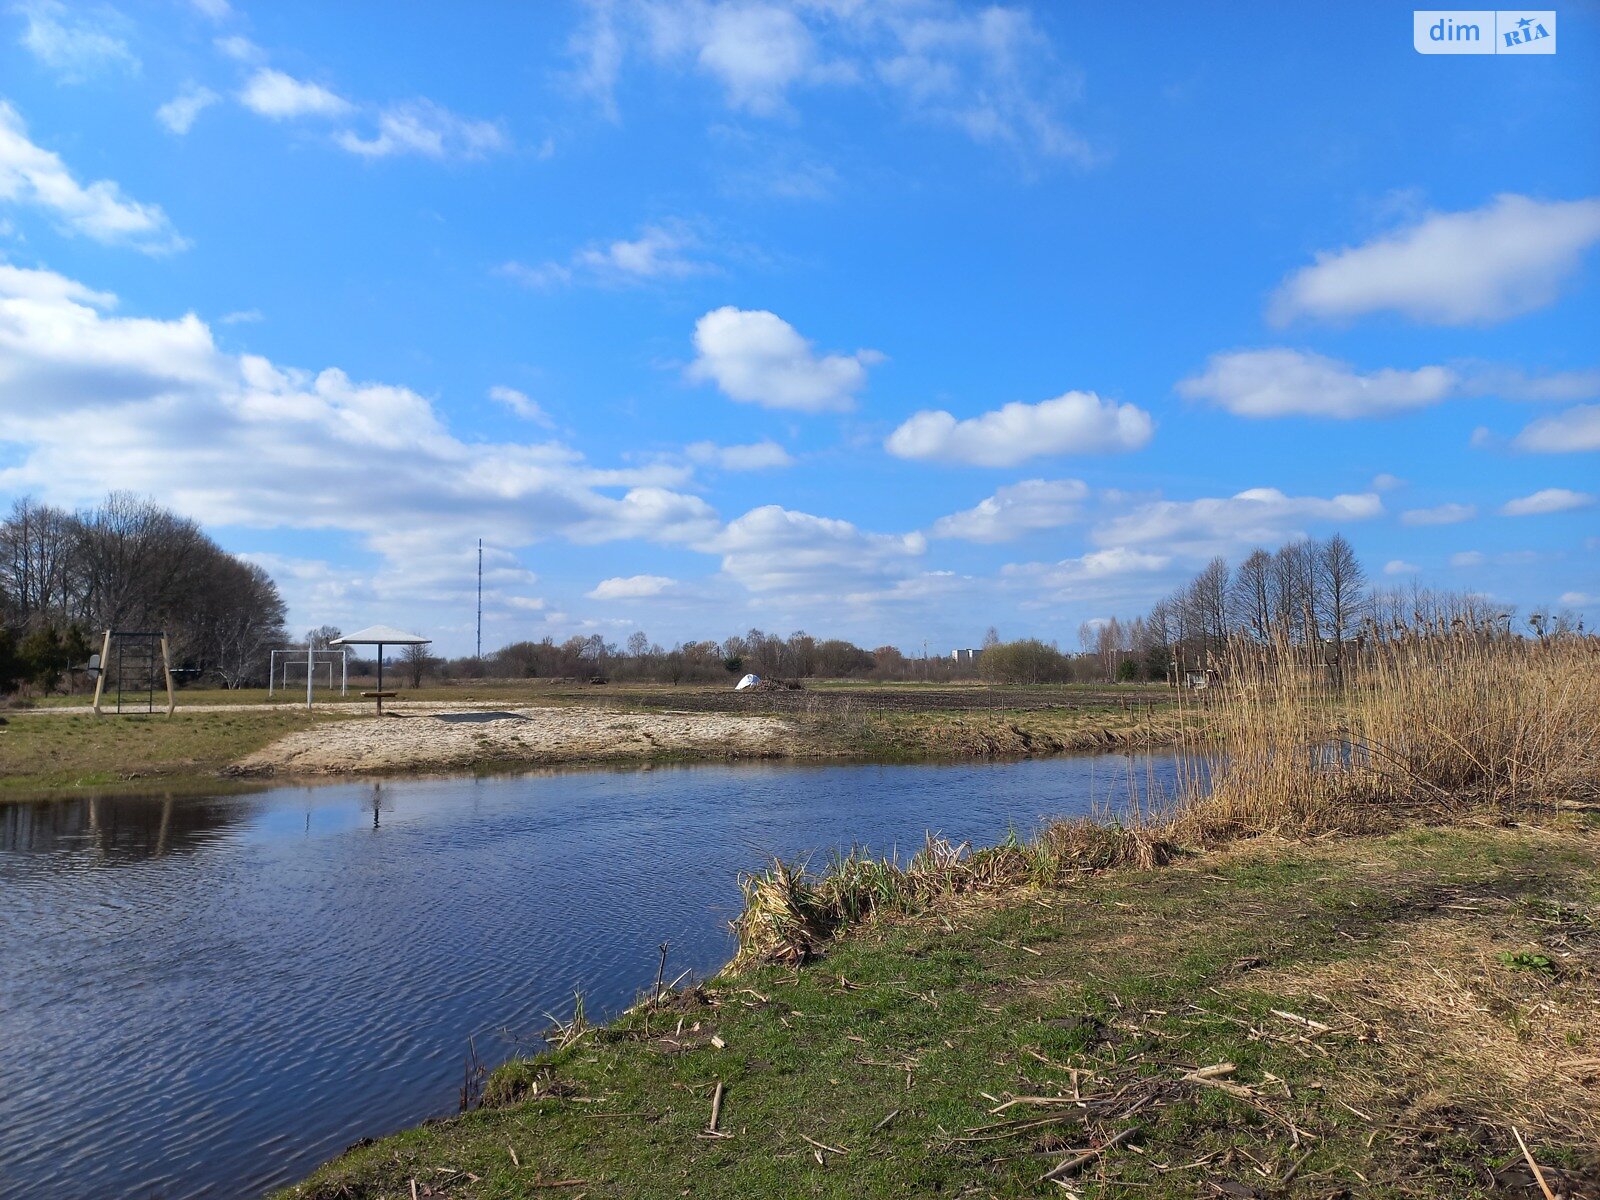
421	740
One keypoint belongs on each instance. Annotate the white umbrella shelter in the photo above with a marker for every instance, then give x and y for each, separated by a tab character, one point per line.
380	636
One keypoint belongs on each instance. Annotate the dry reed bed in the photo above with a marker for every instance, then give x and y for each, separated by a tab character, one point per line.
1426	723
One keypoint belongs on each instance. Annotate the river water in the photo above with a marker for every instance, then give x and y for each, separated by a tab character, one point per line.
209	997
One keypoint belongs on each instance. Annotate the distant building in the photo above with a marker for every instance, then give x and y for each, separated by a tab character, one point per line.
965	656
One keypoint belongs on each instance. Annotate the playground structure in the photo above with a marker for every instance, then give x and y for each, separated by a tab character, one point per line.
140	656
309	657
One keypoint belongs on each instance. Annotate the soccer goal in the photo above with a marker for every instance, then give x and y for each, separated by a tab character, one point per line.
308	663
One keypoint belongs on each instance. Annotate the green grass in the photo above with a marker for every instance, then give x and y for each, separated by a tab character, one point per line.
1125	983
41	753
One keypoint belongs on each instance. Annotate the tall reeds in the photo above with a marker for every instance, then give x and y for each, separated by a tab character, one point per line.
1423	721
1414	721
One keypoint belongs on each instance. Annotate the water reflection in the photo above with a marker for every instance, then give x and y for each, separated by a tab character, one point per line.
118	828
267	977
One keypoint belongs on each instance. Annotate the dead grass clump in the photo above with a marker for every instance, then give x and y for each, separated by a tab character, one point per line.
1087	845
1418	722
789	913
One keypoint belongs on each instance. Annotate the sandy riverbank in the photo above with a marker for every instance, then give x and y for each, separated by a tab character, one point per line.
439	741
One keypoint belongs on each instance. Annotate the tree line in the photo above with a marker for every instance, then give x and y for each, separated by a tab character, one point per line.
798	656
1311	595
127	564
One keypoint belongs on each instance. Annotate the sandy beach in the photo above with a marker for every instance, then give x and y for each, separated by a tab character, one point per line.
437	741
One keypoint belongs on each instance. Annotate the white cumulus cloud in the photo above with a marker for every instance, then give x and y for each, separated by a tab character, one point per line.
1282	382
272	93
1509	257
91	401
76	45
521	404
772	549
1569	432
425	128
631	587
1017	509
179	113
1216	525
1397	566
1547	500
661	251
1072	423
32	175
757	357
991	72
1117	572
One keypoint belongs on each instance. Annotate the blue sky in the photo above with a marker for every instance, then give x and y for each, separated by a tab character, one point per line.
890	321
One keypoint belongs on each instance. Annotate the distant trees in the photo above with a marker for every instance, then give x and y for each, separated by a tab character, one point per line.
129	564
798	656
1025	661
1310	594
418	662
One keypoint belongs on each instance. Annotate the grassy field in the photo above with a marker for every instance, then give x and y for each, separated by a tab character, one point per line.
1360	1017
44	751
44	754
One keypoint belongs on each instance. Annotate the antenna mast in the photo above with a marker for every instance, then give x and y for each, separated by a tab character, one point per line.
479	655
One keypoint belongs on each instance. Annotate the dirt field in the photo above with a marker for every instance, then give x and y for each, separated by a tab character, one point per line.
867	700
442	741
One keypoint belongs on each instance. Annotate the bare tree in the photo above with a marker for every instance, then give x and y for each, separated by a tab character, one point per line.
1296	591
1207	600
37	546
417	662
130	564
242	618
1343	595
1250	598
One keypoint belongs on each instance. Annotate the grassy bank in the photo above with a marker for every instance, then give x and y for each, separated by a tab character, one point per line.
44	754
1361	1017
1357	953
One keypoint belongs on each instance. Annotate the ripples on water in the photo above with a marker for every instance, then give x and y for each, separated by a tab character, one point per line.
207	998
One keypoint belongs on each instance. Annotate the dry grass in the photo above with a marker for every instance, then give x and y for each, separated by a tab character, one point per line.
1429	721
789	913
1488	1030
